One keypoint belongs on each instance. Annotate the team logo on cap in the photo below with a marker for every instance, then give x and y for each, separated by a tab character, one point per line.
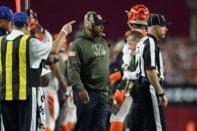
99	17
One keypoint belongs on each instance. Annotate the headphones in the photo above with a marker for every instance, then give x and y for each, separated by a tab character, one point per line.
89	19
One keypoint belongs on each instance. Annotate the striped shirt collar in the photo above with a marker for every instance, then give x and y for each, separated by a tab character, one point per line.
154	38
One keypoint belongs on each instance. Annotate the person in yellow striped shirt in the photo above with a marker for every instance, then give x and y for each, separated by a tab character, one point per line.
21	56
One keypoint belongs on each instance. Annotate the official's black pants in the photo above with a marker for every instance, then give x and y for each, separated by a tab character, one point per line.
146	113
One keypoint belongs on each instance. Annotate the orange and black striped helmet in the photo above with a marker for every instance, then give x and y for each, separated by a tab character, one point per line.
138	14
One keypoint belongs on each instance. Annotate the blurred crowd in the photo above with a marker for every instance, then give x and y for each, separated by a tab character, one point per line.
180	59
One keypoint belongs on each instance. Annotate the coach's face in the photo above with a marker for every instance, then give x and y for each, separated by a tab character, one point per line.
98	30
161	31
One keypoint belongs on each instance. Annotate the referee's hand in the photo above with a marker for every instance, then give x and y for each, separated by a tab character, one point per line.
163	100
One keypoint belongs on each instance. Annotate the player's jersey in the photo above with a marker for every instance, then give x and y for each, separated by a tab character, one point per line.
127	60
47	37
126	55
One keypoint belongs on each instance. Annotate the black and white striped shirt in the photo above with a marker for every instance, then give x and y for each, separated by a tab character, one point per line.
150	56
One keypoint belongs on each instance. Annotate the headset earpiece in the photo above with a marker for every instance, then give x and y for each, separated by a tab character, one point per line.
89	20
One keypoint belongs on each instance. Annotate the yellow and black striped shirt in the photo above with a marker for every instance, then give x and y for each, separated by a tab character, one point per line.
17	77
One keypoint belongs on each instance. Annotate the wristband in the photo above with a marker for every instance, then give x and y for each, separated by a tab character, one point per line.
64	32
66	93
161	95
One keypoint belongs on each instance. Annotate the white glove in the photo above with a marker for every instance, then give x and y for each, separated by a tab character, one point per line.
129	75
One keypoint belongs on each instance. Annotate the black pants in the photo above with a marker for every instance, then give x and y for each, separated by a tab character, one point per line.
146	113
92	116
17	115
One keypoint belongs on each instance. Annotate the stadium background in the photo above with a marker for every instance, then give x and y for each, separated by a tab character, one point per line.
180	51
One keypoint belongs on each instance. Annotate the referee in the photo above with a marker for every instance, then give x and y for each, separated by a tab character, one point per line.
150	100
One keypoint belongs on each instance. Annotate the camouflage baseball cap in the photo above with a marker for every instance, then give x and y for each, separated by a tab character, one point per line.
94	18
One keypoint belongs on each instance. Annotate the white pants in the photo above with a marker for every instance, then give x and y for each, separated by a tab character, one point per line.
52	107
124	110
69	110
